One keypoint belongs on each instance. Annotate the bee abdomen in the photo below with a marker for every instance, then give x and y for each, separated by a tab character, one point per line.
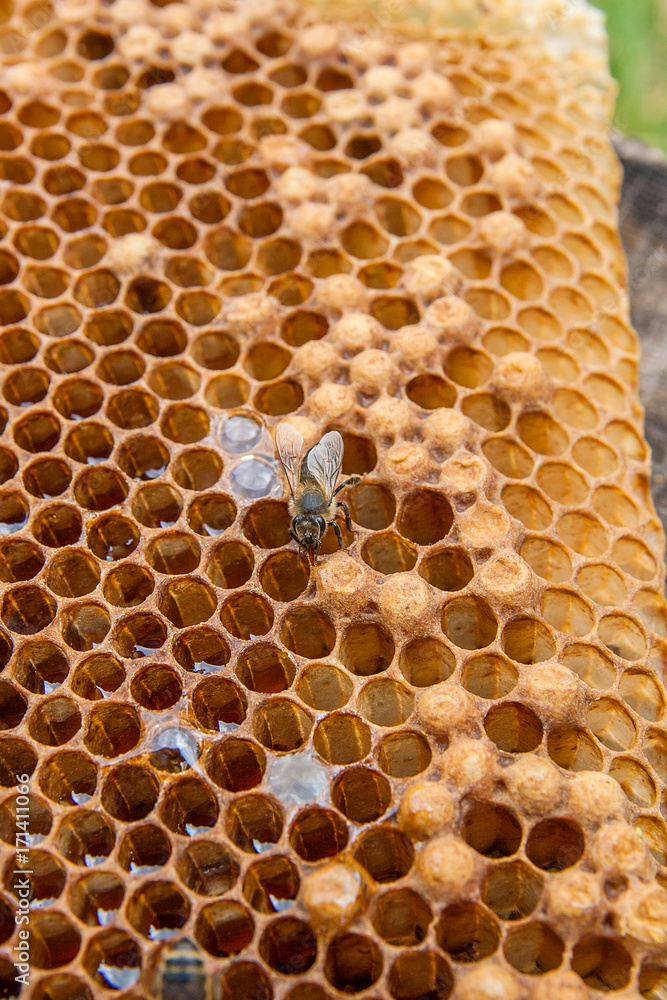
182	975
312	502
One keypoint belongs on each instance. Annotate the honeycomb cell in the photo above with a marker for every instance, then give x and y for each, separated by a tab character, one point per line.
342	739
201	649
405	754
218	704
574	750
247	615
236	764
469	623
491	830
512	889
602	962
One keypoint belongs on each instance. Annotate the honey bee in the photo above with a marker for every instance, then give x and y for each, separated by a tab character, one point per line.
312	483
181	974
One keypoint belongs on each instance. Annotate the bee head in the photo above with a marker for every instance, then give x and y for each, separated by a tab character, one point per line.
309	530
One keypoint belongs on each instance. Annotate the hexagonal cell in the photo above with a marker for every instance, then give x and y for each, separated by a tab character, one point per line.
513	727
39	666
324	687
236	764
271	884
112	729
283	576
85	837
635	781
207	868
318	833
265	668
385	703
467	932
388	553
342	739
366	649
401	917
417	974
54	722
201	650
602	962
218	704
469	623
574	750
489	676
246	615
533	948
96	897
447	569
403	755
157	907
308	632
144	848
512	889
112	959
491	830
254	822
591	665
189	807
622	636
361	794
353	963
373	506
555	844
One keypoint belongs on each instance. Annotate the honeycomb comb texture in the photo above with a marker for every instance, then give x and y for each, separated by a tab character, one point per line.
435	767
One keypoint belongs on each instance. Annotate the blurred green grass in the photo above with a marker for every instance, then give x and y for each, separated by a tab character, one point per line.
638	51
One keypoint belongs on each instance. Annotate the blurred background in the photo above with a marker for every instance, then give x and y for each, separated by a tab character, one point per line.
638	49
638	52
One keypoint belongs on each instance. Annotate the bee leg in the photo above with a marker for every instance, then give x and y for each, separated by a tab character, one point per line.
336	528
352	481
296	539
348	519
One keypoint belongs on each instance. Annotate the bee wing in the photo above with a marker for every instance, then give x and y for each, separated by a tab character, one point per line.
290	445
325	460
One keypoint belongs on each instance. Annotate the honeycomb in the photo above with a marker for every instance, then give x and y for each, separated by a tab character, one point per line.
435	765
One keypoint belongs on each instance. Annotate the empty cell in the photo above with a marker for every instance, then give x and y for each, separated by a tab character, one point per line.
318	833
402	755
321	686
447	569
353	963
342	739
611	724
622	635
633	557
508	457
635	781
547	559
512	889
533	948
129	793
491	830
468	367
281	725
236	764
468	932
602	962
574	750
528	506
361	794
469	623
513	727
271	884
567	612
224	928
366	649
388	553
587	662
643	694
